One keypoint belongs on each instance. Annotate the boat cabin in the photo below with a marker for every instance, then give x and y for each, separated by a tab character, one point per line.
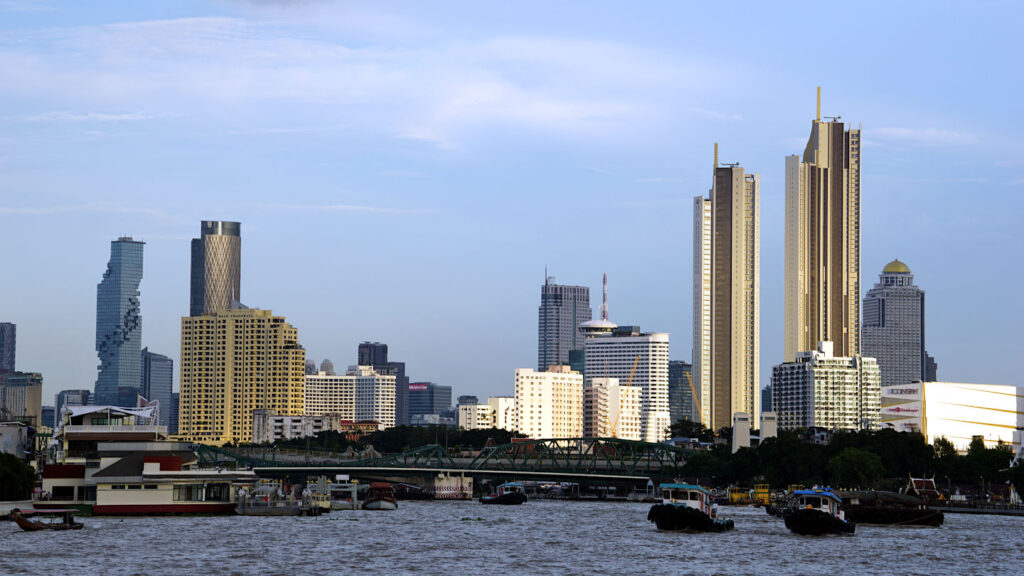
510	488
689	495
822	500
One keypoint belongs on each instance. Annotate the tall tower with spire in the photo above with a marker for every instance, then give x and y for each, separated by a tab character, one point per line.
562	309
893	326
822	280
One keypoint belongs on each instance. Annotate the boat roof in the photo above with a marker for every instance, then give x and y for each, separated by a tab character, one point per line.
48	510
825	493
686	487
512	484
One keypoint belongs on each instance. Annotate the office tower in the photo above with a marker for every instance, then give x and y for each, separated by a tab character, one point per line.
681	393
157	381
549	404
49	416
562	309
611	410
21	397
69	398
8	345
637	359
233	362
310	367
766	399
892	331
931	369
428	398
216	267
119	322
467	399
821	389
359	395
327	367
373	354
726	300
172	423
822	280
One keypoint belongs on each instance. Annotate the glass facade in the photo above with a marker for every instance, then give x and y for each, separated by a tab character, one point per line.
157	380
119	322
216	267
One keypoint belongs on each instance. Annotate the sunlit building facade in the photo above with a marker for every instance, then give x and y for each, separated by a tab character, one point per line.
549	404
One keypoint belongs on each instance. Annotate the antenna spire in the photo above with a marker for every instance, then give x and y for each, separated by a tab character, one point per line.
818	117
604	297
716	154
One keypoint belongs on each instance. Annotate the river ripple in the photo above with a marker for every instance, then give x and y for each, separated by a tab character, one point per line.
540	537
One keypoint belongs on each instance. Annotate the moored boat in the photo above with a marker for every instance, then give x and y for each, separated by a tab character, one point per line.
507	493
816	512
380	496
52	519
689	508
884	508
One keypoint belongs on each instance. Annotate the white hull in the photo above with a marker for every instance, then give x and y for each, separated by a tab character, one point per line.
380	505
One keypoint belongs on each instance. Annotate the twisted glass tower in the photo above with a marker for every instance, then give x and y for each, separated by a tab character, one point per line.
216	267
119	321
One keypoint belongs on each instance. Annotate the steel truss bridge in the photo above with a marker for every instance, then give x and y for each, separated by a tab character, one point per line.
589	459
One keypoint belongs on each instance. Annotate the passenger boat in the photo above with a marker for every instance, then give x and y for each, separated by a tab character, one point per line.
687	507
52	519
344	496
816	512
884	508
507	493
380	496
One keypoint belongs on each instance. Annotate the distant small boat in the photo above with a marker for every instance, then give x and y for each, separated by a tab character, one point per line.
380	496
816	512
507	493
687	508
53	519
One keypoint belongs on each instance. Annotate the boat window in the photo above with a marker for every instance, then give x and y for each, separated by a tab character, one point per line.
117	487
812	501
217	493
135	486
695	496
188	493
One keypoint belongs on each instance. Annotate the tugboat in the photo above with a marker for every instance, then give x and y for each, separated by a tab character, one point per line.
380	496
816	512
507	493
59	519
688	508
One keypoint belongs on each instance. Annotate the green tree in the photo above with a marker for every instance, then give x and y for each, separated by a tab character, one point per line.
690	429
854	467
16	478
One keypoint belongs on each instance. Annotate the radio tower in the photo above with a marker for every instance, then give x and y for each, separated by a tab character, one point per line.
604	297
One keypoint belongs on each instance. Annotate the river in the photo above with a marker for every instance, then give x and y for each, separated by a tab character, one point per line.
469	539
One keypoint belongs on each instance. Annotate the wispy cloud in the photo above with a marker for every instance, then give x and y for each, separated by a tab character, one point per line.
97	208
658	180
66	116
715	114
923	136
335	208
24	6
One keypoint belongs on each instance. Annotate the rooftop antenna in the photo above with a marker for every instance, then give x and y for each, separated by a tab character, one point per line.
818	118
716	155
604	297
833	118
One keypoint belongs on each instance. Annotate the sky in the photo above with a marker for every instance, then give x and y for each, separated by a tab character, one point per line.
405	171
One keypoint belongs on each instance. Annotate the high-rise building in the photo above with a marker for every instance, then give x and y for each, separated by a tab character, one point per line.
327	367
681	393
637	359
310	367
822	280
119	322
49	416
233	362
892	331
21	397
8	345
475	416
428	398
766	399
157	381
375	354
549	404
931	369
611	410
562	309
824	390
69	398
726	300
361	394
216	267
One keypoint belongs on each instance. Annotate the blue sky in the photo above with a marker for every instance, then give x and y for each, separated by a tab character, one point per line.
404	171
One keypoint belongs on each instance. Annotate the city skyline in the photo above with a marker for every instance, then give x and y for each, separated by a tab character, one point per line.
562	141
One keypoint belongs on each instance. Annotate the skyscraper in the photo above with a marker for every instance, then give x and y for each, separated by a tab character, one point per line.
8	344
428	398
375	354
823	241
233	362
726	296
216	267
119	322
893	326
681	392
372	354
562	309
157	380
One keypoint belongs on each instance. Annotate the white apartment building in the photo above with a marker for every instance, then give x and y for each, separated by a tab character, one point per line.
635	359
611	410
549	404
820	389
475	417
503	410
955	411
268	426
359	394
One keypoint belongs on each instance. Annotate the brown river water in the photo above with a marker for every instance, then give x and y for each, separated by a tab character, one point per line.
469	539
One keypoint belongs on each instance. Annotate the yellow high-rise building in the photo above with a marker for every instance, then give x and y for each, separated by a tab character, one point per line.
823	241
233	362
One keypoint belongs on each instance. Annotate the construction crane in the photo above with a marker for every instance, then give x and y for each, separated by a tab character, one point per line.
696	401
615	424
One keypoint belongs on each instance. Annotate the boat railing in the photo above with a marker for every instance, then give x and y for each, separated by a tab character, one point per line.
94	428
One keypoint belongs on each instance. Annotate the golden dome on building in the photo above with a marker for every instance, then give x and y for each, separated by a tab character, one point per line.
896	267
